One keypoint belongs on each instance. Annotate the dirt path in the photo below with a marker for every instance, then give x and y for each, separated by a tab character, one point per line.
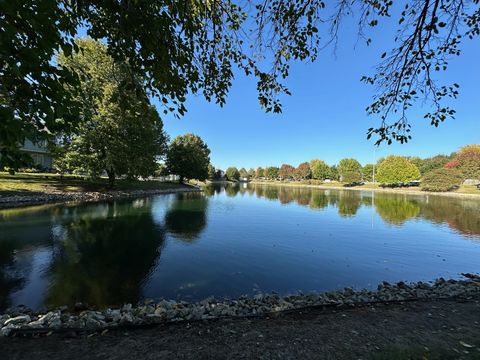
444	329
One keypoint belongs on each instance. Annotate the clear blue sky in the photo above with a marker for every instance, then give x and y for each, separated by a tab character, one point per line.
325	116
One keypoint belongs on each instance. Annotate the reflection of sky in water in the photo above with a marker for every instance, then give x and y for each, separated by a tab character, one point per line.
235	241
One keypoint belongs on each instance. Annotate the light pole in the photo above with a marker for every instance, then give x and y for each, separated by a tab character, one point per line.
374	163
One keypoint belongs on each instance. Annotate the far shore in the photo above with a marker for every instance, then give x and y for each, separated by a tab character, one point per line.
31	199
407	191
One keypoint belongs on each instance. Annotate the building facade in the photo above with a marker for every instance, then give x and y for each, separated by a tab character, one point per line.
39	153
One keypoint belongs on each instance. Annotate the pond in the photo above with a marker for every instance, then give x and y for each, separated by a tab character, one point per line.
231	241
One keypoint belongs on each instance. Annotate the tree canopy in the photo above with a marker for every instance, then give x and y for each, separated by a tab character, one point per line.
303	171
232	173
397	169
188	157
350	170
119	132
181	47
320	170
286	171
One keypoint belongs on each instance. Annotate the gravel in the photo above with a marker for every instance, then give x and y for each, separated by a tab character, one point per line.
168	311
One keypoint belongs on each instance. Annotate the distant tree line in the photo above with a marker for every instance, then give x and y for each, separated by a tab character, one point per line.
437	173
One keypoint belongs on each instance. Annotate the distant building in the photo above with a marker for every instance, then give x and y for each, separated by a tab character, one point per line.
39	153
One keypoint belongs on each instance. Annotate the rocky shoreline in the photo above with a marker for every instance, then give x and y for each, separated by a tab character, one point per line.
22	320
66	197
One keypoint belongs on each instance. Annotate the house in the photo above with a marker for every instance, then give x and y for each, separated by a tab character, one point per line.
39	153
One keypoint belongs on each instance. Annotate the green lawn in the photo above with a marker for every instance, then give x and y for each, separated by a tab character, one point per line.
47	183
464	189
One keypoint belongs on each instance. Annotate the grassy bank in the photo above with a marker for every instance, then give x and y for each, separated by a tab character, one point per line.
464	190
23	183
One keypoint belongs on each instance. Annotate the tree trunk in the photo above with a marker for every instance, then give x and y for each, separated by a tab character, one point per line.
111	177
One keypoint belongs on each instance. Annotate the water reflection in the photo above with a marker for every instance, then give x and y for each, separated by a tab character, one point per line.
103	257
394	209
186	217
106	253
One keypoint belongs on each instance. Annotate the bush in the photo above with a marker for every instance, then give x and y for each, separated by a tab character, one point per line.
397	170
442	180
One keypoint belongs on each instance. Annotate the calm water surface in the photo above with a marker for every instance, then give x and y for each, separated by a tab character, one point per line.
232	241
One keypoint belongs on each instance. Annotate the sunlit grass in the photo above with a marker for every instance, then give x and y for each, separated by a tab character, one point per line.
464	189
27	182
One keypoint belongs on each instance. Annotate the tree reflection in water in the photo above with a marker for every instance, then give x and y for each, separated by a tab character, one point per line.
186	217
104	253
11	277
395	209
104	257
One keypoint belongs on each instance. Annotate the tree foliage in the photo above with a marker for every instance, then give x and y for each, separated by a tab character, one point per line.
397	169
320	170
271	172
286	171
467	160
303	171
243	173
181	47
350	170
119	131
442	180
188	156
211	172
260	172
431	163
368	171
232	173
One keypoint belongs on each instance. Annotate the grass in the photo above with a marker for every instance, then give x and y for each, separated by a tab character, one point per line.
49	183
464	189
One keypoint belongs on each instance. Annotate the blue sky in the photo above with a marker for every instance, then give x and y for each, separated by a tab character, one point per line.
325	116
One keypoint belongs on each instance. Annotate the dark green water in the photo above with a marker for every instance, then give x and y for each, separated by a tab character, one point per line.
231	241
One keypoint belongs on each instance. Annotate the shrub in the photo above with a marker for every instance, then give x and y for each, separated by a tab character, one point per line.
397	169
442	180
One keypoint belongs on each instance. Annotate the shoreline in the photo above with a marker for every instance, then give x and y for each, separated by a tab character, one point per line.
16	201
22	320
391	191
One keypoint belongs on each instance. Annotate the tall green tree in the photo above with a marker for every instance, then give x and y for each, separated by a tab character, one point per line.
243	173
251	173
350	170
333	173
192	46
232	173
119	131
320	170
260	172
188	157
397	169
271	172
211	172
368	171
